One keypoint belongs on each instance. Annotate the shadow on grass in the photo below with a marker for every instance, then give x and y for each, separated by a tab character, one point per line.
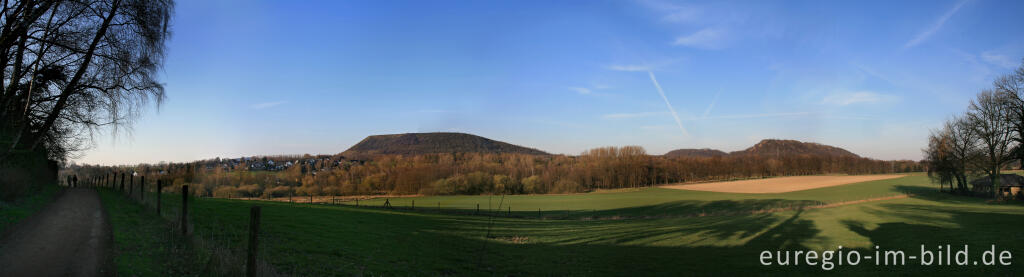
674	209
933	194
949	227
692	208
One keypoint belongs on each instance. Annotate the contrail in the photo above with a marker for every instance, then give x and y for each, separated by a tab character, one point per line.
712	106
670	109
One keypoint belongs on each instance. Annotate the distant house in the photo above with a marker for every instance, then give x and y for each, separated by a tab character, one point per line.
1009	184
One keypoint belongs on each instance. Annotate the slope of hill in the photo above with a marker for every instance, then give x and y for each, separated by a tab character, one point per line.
792	147
426	143
705	152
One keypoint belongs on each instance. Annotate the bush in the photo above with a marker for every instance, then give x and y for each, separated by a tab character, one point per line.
349	188
502	184
309	190
225	192
278	191
332	190
478	182
566	186
532	185
250	191
14	182
438	187
25	173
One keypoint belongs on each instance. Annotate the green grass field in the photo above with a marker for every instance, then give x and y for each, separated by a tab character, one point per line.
647	231
653	202
146	245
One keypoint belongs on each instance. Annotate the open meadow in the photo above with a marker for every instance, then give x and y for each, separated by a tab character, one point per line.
653	231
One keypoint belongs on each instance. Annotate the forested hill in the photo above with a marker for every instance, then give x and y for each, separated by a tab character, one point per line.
679	153
427	143
769	148
772	147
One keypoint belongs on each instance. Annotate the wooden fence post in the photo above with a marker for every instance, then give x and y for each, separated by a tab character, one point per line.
254	230
510	210
477	208
184	210
159	187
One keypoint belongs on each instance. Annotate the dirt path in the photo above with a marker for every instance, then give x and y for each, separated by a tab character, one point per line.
70	237
783	184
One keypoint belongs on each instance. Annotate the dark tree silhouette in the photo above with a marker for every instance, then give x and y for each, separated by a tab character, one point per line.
71	68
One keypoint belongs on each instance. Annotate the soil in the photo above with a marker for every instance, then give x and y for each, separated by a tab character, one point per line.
782	184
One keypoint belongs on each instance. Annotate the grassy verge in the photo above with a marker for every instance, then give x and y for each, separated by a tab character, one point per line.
145	244
13	212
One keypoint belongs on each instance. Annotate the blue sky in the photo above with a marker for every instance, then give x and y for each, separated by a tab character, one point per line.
292	77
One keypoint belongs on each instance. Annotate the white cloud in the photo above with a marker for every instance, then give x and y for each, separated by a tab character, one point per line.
266	105
580	90
843	99
707	38
997	60
631	115
924	35
630	67
674	12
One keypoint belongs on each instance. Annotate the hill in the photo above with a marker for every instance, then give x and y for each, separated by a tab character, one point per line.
705	152
427	143
769	147
792	147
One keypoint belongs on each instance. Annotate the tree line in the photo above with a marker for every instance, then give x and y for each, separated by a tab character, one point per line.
484	173
983	141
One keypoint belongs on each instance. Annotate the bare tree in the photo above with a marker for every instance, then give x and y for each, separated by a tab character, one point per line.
965	150
939	158
71	68
1013	84
952	152
990	121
